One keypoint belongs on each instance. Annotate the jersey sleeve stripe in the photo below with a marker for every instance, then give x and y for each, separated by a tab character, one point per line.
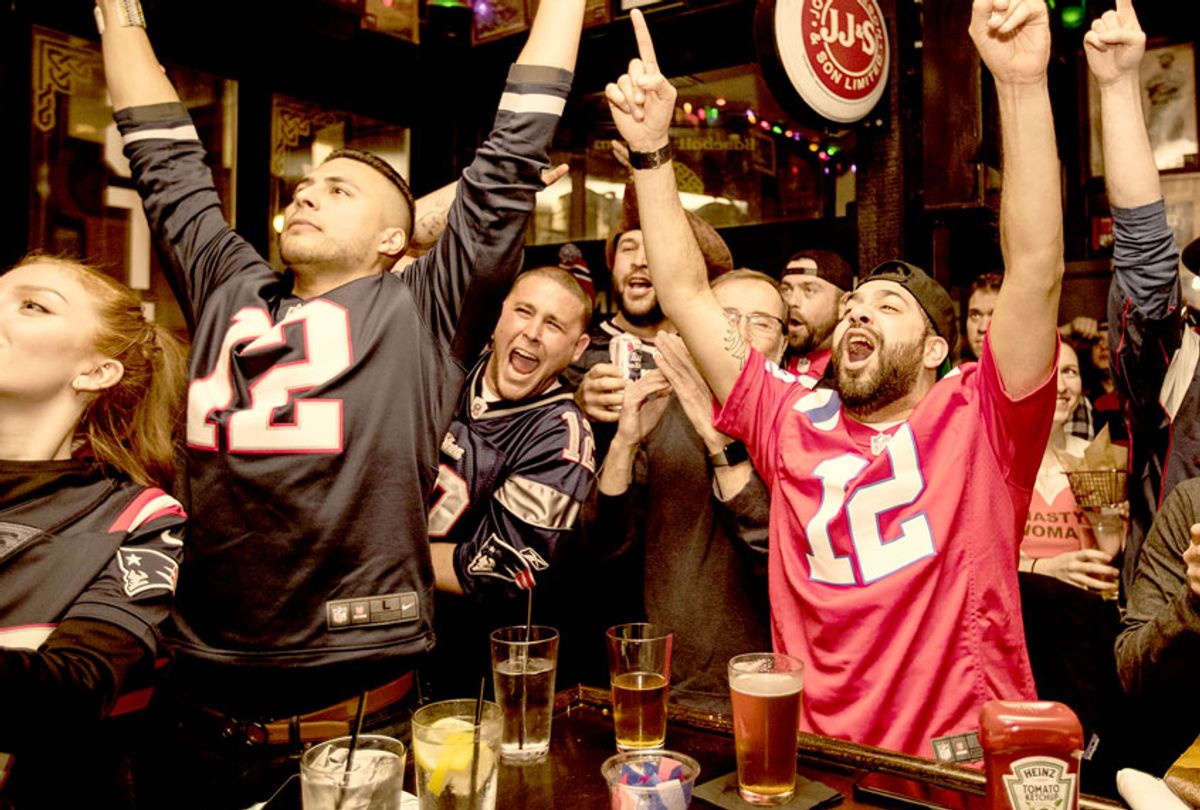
532	103
150	505
25	636
179	133
538	505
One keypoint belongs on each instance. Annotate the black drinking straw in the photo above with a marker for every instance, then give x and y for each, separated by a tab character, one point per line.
358	721
475	738
525	669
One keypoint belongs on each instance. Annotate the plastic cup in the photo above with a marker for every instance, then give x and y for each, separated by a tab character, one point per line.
650	780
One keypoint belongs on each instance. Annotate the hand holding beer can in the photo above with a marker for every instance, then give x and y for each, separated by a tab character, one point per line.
765	690
625	352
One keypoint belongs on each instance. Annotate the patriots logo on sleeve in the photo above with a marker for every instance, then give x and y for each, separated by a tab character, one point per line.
496	558
144	570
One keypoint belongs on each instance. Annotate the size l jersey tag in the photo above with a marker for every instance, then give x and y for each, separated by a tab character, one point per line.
372	611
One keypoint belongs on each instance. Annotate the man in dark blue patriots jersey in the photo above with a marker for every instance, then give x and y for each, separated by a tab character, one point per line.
517	463
319	396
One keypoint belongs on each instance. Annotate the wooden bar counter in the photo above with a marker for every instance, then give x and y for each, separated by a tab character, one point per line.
582	738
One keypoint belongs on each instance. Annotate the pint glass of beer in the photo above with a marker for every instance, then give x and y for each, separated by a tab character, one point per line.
639	669
765	691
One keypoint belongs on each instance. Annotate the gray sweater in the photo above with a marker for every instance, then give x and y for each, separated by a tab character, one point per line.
1158	651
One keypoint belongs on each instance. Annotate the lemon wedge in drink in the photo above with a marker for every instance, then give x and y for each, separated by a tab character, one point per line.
447	756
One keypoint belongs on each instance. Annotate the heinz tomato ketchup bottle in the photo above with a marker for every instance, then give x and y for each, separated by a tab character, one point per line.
1032	751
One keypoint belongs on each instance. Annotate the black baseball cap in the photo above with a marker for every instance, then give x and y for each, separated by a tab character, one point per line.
932	297
830	266
1191	256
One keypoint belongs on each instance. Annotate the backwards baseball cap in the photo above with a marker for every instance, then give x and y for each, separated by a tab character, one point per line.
829	266
717	257
932	297
1191	256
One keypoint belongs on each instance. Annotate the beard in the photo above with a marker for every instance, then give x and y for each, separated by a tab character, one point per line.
810	338
298	252
649	316
873	387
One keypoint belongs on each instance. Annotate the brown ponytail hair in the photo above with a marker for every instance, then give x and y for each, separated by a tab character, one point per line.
132	425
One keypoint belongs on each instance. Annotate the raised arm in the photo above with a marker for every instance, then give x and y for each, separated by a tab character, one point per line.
1114	49
459	284
198	248
131	69
554	36
643	104
1013	38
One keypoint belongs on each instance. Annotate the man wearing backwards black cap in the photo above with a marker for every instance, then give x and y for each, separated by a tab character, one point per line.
812	284
896	499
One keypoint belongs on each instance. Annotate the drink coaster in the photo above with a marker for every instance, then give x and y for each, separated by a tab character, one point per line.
723	792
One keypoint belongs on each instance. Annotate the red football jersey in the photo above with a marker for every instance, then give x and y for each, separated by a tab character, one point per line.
893	554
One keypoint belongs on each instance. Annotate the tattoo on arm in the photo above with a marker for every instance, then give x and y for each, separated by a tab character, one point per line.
736	346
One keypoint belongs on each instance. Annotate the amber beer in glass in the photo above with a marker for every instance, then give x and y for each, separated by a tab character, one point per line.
765	689
639	670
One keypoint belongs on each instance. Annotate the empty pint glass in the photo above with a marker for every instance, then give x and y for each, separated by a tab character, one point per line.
765	690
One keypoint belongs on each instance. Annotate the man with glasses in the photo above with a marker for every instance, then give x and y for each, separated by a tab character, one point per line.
681	500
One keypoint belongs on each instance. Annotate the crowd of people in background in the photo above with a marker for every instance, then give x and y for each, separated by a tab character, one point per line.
391	445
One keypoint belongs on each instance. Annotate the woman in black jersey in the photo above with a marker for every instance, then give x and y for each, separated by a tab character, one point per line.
90	540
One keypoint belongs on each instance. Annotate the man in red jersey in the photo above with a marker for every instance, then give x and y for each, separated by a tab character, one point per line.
900	596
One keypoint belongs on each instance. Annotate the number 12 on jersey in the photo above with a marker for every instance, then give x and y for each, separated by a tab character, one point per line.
316	425
877	557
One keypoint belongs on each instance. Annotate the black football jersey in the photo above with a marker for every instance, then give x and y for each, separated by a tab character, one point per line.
513	477
97	546
313	426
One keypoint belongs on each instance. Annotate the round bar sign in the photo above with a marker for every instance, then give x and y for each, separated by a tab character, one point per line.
835	53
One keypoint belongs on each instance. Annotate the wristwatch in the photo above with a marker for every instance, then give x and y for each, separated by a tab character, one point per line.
729	455
651	160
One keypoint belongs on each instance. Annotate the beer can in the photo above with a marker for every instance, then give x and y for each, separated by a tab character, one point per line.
625	351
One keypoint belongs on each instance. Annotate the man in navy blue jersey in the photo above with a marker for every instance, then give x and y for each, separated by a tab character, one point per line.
318	401
516	466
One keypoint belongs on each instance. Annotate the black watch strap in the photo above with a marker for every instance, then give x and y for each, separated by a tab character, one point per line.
733	453
651	160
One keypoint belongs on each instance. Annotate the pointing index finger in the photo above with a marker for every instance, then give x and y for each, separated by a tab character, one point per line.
1125	9
644	42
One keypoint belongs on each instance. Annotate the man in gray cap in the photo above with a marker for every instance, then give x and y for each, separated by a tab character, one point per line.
812	284
899	595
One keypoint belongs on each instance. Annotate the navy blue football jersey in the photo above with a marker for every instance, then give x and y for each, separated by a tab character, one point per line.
96	547
513	478
313	426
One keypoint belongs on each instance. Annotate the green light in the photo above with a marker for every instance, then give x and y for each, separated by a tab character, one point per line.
1072	16
778	130
833	150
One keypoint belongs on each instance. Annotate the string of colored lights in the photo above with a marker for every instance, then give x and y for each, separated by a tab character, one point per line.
831	155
